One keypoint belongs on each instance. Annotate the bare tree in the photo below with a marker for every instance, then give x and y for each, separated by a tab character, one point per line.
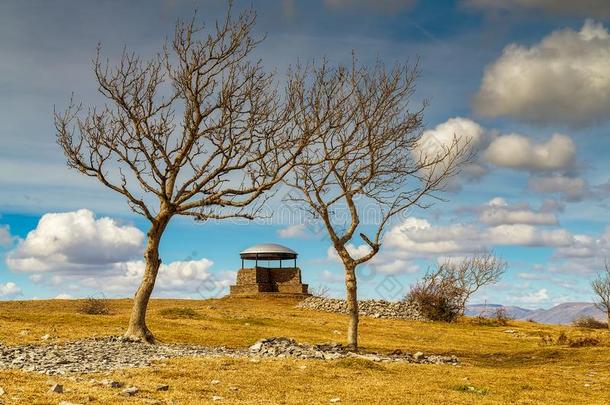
232	143
472	273
366	161
601	287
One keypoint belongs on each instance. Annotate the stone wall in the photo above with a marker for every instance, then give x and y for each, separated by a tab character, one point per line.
285	280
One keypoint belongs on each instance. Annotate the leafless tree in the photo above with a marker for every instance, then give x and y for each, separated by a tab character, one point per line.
197	130
471	274
601	287
366	161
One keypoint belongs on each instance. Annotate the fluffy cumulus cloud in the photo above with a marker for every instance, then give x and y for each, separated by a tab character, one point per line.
499	212
492	149
567	187
9	290
76	250
418	238
522	153
470	138
586	8
564	79
75	241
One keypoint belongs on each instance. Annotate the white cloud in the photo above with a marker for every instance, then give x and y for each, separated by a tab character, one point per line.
563	79
63	297
522	153
9	290
5	236
499	212
75	250
526	235
569	188
75	242
471	137
355	251
537	297
417	238
293	231
180	276
586	8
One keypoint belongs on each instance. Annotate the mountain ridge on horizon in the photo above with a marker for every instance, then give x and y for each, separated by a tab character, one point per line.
559	314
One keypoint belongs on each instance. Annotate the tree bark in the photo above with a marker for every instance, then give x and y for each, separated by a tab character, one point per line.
352	307
137	328
609	319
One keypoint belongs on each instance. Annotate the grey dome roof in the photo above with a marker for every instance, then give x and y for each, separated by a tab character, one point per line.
268	251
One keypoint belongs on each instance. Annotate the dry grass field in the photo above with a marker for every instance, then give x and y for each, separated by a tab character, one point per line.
497	367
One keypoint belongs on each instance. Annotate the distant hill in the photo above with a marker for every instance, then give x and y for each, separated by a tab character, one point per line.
560	314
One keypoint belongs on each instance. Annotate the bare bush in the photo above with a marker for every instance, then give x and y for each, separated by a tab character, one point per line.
499	318
321	291
471	274
589	322
438	299
601	287
94	306
587	341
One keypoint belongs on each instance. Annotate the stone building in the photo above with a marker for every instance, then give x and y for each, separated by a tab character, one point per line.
260	279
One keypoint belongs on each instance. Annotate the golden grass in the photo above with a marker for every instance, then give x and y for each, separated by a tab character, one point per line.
498	367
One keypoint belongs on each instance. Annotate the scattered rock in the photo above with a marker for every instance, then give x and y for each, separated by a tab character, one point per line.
99	354
130	392
510	331
214	382
162	387
372	308
57	388
2	392
45	337
286	347
217	398
104	354
335	400
111	383
24	332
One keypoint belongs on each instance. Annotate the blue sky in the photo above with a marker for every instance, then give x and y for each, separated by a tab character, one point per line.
527	81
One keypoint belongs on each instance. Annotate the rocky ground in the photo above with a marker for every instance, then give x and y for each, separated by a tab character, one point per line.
110	353
372	308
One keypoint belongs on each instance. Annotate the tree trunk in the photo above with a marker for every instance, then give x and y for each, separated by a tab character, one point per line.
352	307
609	319
137	328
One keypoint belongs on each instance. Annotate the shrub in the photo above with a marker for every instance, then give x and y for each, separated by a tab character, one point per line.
586	341
179	313
589	322
438	299
499	318
565	340
94	306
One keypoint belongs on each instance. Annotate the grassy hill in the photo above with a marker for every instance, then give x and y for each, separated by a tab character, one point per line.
497	366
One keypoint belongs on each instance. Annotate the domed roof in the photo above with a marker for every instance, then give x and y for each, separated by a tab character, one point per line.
268	251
